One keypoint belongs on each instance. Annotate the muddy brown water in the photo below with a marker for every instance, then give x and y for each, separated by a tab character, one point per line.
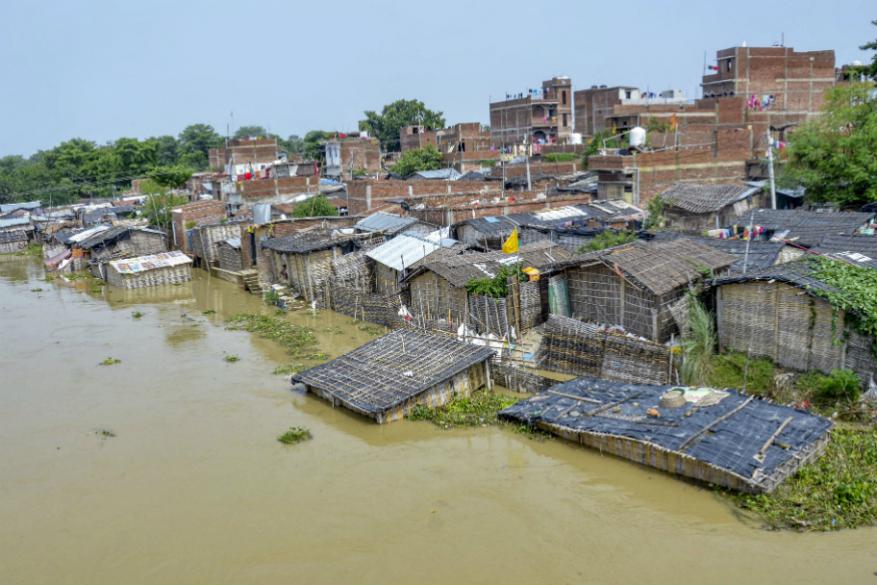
194	488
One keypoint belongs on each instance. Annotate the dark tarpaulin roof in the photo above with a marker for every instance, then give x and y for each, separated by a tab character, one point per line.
706	197
391	370
310	241
808	228
858	250
729	431
762	254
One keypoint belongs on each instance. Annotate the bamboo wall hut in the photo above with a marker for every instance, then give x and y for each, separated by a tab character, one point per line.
206	238
569	346
12	241
719	437
635	285
702	206
779	313
156	269
119	242
303	261
394	258
385	378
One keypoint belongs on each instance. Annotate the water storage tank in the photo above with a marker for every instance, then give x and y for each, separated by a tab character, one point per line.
575	138
637	137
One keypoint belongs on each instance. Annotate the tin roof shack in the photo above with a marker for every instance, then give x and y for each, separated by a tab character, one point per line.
120	242
157	269
783	313
438	289
807	228
395	258
385	378
701	206
569	346
720	437
634	285
384	223
12	241
229	254
303	261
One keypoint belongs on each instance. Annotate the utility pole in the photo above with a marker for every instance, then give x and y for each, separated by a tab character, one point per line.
527	156
773	189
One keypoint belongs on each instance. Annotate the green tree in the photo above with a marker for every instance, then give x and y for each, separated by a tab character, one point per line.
248	131
294	144
157	208
317	206
165	150
194	143
312	144
833	155
427	158
170	176
386	125
871	69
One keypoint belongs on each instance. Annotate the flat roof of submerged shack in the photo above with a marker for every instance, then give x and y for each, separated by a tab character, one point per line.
385	377
721	437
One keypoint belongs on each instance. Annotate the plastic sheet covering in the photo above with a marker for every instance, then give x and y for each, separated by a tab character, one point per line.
558	296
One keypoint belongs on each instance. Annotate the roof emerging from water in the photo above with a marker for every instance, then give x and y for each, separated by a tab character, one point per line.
719	436
393	369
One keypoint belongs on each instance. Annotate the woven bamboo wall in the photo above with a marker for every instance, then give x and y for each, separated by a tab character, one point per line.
154	277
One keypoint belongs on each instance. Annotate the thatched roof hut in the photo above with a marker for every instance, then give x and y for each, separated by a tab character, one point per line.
701	206
720	437
782	313
634	285
385	378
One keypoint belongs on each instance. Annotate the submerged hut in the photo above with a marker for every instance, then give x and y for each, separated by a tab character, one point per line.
303	261
703	206
385	378
229	254
569	346
720	437
12	241
119	242
156	269
635	285
783	313
394	258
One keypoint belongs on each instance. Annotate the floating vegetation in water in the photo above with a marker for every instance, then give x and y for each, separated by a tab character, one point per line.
295	435
105	433
31	250
478	409
231	358
333	330
837	491
110	361
297	340
208	312
372	329
36	290
137	315
319	356
287	370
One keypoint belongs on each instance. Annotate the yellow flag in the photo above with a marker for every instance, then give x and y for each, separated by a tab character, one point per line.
510	246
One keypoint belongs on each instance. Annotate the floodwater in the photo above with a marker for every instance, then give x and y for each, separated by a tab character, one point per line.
195	489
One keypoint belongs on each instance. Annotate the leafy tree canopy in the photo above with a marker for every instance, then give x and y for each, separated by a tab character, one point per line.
386	125
833	155
170	176
317	206
248	131
427	158
871	69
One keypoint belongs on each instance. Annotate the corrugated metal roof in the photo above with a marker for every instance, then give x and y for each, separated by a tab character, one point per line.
84	235
384	222
560	213
14	221
404	250
233	242
446	174
10	207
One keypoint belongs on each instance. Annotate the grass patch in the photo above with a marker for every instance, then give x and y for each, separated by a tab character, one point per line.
729	370
295	435
231	358
297	340
137	315
838	491
607	239
372	329
478	409
287	370
110	361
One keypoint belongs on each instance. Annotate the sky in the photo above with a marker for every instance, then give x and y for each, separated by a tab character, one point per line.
102	70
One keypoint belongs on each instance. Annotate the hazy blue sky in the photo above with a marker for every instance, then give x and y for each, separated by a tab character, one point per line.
101	70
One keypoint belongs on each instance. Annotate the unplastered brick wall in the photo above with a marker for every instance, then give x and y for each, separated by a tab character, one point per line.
460	210
369	194
266	188
546	168
199	212
285	227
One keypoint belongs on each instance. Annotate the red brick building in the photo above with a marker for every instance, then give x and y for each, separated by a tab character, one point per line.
191	215
536	117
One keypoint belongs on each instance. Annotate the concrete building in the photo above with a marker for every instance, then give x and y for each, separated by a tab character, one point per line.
539	116
465	146
414	137
594	106
353	155
244	155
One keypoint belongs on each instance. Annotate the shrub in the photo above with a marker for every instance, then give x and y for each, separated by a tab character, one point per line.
554	157
496	287
839	386
295	435
607	239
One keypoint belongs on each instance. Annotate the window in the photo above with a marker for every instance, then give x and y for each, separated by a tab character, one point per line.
730	65
563	97
627	94
565	121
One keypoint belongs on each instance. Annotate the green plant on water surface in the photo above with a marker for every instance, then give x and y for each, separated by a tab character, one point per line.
497	286
35	250
208	312
287	370
272	297
36	290
105	433
137	315
478	409
837	491
297	340
110	361
295	435
231	358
